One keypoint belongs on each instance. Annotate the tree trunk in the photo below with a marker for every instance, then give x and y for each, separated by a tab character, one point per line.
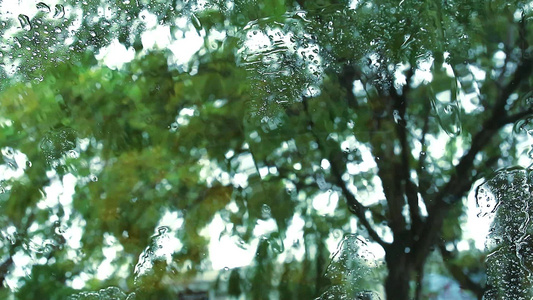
397	284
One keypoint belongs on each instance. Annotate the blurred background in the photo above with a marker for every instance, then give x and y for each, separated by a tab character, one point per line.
244	149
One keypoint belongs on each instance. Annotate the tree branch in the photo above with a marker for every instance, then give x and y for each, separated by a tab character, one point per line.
354	205
522	34
517	116
461	181
409	187
4	269
395	175
423	176
419	279
458	274
346	79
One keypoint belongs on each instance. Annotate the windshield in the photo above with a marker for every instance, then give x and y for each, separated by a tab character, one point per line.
242	149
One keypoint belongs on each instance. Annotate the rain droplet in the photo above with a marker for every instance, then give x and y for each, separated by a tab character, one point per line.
43	7
162	230
94	178
59	11
24	22
17	42
446	103
397	118
265	211
523	125
73	154
58	230
351	124
8	152
11	239
196	23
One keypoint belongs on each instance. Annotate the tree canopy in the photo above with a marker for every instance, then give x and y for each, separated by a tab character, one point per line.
136	134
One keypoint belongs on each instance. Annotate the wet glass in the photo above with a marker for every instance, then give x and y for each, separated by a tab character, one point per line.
270	149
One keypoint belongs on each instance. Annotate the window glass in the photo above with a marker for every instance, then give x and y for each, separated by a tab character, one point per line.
243	149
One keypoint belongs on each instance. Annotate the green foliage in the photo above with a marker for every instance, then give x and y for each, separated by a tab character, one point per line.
349	118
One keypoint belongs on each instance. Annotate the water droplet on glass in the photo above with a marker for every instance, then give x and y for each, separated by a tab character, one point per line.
448	114
106	293
8	152
265	211
59	11
162	230
24	22
351	266
11	238
17	42
94	178
58	230
311	91
524	125
43	7
445	97
196	23
397	118
73	154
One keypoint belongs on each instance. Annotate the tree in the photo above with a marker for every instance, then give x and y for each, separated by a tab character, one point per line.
394	110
